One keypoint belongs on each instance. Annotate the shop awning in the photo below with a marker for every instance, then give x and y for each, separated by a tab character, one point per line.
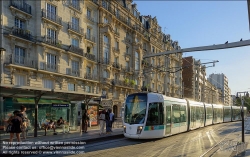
41	101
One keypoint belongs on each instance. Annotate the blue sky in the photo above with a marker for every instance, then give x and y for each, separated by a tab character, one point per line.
202	23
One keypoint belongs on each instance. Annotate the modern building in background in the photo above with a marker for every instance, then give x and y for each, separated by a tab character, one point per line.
221	82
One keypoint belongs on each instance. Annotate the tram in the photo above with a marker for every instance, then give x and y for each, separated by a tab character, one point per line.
153	115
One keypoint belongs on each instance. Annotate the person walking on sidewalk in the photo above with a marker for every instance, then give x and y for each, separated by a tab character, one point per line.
102	122
85	119
111	118
107	119
16	125
23	115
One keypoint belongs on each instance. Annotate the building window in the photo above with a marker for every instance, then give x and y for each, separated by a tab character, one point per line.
88	70
48	84
88	49
71	87
19	55
127	64
75	3
88	89
75	23
51	61
137	63
20	80
75	67
51	12
51	34
88	12
153	85
116	60
19	23
127	50
153	62
116	45
153	49
106	49
75	42
106	20
105	74
136	82
88	33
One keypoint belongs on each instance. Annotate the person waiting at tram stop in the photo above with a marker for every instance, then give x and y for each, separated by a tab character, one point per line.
107	119
50	125
16	126
102	121
62	122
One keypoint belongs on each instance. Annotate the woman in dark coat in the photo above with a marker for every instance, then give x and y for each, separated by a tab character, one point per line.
85	119
16	123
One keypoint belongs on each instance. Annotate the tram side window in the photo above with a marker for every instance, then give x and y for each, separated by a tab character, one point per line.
176	114
209	113
183	113
155	114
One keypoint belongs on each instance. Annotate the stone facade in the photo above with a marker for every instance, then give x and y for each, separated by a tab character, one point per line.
87	47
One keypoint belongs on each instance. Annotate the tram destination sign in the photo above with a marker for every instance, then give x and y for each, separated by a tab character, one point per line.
60	105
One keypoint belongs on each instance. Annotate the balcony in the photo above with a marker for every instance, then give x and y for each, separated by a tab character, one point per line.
75	29
90	38
106	80
116	82
90	56
20	5
51	17
116	65
75	6
127	69
22	61
52	41
90	18
117	33
105	61
90	76
49	67
116	51
73	72
25	34
76	50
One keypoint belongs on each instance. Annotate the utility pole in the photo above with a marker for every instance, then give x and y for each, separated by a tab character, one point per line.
242	115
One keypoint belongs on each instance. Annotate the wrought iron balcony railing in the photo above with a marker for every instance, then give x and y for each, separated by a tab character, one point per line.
22	61
90	38
76	50
105	61
75	5
19	32
21	6
52	41
49	67
90	56
51	16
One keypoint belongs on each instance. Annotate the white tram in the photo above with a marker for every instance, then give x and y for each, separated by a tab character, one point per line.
153	115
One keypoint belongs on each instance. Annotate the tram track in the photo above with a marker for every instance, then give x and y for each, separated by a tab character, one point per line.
178	145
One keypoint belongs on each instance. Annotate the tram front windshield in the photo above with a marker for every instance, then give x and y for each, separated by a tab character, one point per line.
135	108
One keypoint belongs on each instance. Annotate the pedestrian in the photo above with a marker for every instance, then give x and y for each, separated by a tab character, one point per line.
102	122
23	115
85	119
111	119
16	125
107	119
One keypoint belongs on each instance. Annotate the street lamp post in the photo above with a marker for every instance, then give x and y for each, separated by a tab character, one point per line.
242	115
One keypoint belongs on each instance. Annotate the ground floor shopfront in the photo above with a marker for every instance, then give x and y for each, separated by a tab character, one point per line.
47	110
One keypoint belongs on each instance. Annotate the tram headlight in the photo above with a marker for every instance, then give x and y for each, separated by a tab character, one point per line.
124	129
139	129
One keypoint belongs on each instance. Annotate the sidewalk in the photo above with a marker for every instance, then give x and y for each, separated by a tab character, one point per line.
92	133
232	145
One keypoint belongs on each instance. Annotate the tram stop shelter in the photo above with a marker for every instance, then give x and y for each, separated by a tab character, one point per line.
13	91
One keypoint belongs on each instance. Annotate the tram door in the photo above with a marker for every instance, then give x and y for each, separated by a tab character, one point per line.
168	120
